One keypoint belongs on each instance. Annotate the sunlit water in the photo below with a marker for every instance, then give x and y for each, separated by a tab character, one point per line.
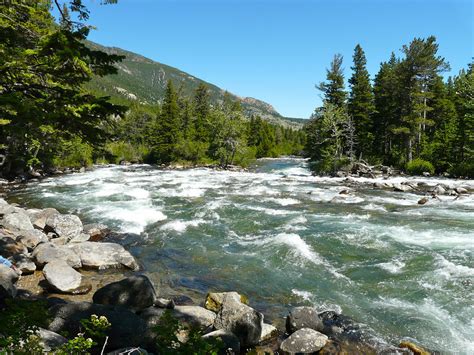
276	234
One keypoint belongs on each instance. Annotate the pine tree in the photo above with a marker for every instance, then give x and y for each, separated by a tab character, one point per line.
333	87
202	109
361	103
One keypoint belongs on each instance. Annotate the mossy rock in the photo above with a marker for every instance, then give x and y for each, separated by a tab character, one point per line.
416	349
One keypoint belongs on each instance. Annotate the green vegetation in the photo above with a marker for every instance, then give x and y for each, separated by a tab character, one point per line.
409	116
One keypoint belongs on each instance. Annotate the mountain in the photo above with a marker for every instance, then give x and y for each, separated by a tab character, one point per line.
144	80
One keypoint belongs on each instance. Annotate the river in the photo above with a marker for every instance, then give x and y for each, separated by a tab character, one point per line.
277	234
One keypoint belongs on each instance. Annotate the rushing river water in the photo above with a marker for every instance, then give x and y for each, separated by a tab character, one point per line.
276	234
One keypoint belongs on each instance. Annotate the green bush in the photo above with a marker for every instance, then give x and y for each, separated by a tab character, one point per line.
123	151
419	166
72	153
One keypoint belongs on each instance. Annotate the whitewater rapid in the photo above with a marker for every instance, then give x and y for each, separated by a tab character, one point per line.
285	237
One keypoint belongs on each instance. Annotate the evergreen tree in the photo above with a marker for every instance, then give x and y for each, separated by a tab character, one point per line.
361	103
333	87
202	109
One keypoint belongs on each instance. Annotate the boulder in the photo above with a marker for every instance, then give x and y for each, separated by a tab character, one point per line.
104	255
230	341
49	340
461	190
339	326
240	319
48	252
96	231
9	247
62	277
303	317
268	332
152	316
135	293
39	218
423	200
401	188
214	300
18	220
164	303
438	190
6	209
64	225
195	316
129	351
8	277
24	263
304	341
127	329
83	237
31	238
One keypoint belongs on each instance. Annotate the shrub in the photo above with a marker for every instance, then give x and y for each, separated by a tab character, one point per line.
465	169
73	154
419	166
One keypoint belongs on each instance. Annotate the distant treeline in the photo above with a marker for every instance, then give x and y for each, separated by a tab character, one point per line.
50	118
409	117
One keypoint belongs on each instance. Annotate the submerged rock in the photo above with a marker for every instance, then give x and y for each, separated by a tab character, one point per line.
135	293
304	341
62	277
104	255
303	317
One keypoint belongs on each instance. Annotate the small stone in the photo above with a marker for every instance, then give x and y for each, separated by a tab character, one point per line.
423	200
304	341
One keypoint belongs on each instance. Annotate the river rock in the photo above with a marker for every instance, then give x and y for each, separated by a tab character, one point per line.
231	342
195	316
240	319
415	349
152	316
10	247
303	317
39	218
339	326
31	238
164	303
214	300
127	329
304	341
401	188
438	190
64	225
268	332
104	255
83	237
129	351
8	278
24	263
135	293
461	190
61	276
48	252
96	231
49	340
423	200
6	209
18	220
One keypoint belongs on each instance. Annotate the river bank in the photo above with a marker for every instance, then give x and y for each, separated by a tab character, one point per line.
284	260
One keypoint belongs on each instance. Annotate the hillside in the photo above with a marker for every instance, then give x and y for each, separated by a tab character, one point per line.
144	80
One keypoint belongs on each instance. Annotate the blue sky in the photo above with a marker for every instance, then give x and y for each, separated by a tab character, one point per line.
277	50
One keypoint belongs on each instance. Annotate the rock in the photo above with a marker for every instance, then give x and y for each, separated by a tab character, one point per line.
8	277
104	255
401	188
423	200
59	241
6	209
345	192
427	174
438	190
82	170
415	349
461	190
338	326
31	238
194	316
96	231
164	303
9	247
240	319
214	300
129	351
64	225
39	219
303	317
83	237
17	221
152	316
231	342
48	252
182	300
135	293
127	329
268	332
304	341
61	276
24	263
49	340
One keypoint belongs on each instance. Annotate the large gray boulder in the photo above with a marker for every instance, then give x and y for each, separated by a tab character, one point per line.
6	209
48	252
8	277
39	218
304	341
135	293
214	300
104	255
303	317
240	319
49	340
61	276
230	341
18	220
127	329
195	316
31	238
152	316
64	225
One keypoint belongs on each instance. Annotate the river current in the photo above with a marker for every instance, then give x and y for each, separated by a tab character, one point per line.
284	237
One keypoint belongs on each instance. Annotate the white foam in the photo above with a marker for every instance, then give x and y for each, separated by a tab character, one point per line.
294	241
394	266
180	226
